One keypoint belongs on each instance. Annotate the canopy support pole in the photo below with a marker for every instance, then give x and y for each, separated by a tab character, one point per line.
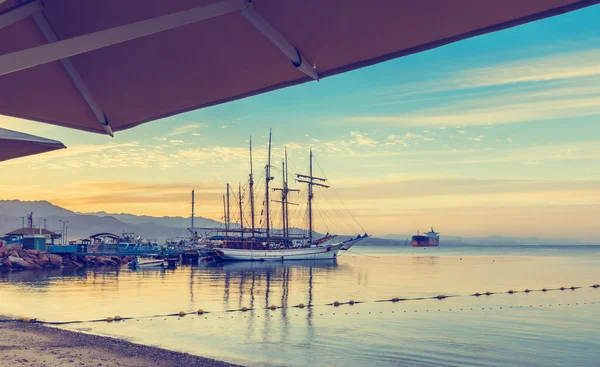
18	12
298	59
47	31
60	50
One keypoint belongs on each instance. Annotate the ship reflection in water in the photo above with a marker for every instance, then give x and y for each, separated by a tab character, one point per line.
369	333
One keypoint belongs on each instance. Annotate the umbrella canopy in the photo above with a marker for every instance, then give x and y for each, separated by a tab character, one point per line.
14	144
109	65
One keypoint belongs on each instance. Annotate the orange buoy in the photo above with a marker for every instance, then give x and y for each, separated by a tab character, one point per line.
244	309
301	305
273	307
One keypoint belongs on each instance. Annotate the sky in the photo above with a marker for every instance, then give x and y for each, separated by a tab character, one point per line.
494	135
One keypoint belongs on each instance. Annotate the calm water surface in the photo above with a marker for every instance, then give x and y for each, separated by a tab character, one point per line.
551	328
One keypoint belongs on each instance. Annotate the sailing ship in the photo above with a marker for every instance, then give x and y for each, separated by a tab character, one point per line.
237	243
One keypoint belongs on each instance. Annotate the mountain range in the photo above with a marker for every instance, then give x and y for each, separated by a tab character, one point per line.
13	214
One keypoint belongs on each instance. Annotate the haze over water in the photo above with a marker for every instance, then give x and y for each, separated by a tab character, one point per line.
537	329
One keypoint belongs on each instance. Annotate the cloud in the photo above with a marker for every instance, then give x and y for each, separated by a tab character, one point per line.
362	139
186	129
543	88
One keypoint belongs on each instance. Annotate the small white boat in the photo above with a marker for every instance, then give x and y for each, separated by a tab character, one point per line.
147	264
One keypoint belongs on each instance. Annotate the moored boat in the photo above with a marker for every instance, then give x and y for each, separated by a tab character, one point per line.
249	243
146	264
429	239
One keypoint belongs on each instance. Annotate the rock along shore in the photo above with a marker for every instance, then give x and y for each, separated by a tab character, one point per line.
14	257
41	346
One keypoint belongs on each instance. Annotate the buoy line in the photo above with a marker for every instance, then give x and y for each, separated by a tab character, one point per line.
273	307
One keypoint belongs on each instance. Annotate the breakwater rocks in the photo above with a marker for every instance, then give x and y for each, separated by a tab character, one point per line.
16	258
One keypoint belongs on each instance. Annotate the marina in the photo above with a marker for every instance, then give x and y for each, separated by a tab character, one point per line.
419	330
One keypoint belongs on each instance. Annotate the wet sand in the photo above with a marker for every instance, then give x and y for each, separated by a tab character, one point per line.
36	345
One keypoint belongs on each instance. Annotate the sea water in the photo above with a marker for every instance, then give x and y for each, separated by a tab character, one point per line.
538	328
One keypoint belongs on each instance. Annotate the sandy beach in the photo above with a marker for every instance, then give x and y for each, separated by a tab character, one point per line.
41	346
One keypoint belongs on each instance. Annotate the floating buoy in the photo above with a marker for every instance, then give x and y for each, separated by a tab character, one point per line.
244	309
395	299
117	318
511	291
351	302
596	286
336	303
573	288
200	311
562	288
477	294
301	305
527	291
273	307
109	319
441	297
27	319
181	313
544	290
488	293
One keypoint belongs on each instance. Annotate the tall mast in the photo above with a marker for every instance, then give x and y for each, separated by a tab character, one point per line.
285	190
283	197
251	184
225	217
267	180
193	209
228	220
241	212
310	180
310	199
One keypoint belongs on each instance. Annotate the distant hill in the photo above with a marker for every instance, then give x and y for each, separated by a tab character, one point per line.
176	222
18	208
82	225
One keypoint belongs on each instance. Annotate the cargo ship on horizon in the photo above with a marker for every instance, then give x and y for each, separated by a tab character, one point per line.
429	239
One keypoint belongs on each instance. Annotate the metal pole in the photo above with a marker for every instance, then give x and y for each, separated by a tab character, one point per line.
251	183
310	197
228	208
193	209
283	195
267	179
241	212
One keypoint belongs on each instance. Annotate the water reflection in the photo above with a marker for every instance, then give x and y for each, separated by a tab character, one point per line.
314	335
426	261
270	281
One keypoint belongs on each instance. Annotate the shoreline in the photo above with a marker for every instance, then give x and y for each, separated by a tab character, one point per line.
27	344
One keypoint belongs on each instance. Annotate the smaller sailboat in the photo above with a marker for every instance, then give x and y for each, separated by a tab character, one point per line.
143	264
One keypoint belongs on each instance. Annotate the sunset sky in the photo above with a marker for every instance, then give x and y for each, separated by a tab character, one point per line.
498	134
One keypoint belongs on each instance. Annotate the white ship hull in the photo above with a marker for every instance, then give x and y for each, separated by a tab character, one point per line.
307	253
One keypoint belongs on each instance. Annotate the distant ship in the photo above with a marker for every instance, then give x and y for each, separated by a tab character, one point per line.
430	239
